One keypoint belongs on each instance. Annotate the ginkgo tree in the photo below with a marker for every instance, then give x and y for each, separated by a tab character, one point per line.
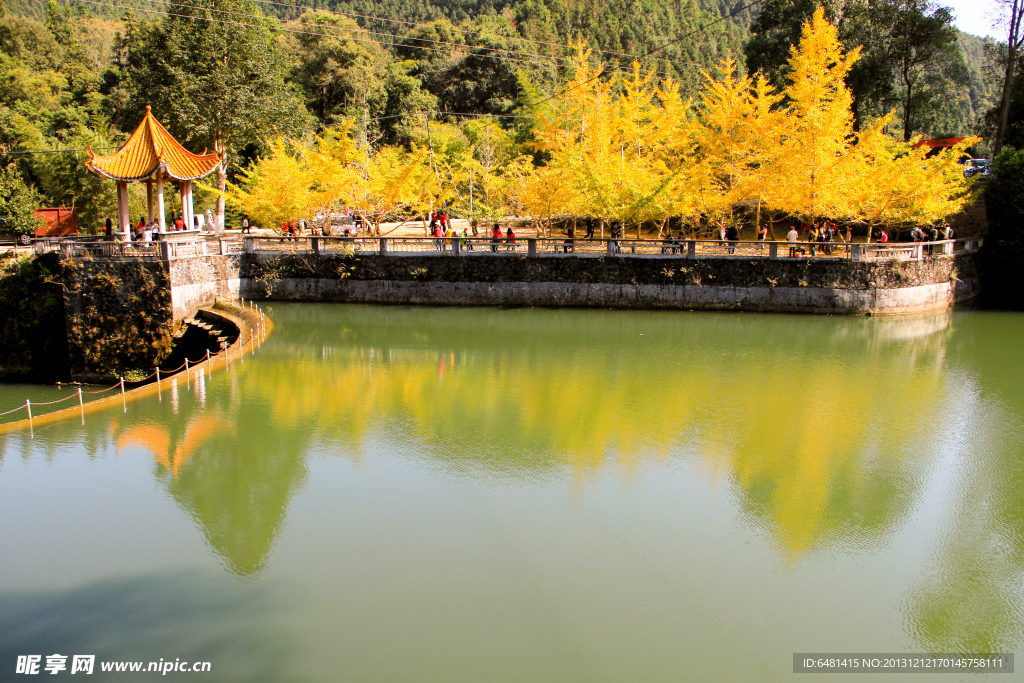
276	188
818	124
632	151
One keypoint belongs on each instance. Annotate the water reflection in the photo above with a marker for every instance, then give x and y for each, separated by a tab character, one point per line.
970	597
828	432
811	424
220	462
176	615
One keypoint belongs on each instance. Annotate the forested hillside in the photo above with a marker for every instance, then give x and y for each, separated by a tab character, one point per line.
81	75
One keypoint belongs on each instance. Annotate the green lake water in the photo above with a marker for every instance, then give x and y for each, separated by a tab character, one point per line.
441	494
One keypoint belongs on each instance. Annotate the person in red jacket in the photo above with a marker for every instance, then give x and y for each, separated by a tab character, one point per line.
495	237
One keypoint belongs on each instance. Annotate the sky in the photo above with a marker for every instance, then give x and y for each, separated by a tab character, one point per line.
975	16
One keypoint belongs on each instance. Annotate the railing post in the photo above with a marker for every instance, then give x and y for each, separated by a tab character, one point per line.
969	245
918	251
611	249
250	245
531	246
315	244
223	248
383	245
773	250
855	253
456	246
202	247
691	249
165	250
981	242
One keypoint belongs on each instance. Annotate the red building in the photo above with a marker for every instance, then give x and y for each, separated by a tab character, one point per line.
60	220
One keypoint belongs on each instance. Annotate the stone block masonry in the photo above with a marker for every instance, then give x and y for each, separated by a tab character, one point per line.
199	281
778	285
95	319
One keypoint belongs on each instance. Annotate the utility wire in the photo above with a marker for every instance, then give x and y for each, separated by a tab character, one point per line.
265	21
54	151
456	28
173	3
659	48
502	52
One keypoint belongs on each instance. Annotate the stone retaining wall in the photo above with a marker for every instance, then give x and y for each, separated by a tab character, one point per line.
199	281
782	285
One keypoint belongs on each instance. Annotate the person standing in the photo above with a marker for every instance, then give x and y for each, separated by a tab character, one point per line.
762	235
570	241
590	228
495	237
438	236
108	227
510	239
245	225
792	236
732	235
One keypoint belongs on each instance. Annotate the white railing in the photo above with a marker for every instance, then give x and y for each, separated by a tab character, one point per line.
532	247
564	247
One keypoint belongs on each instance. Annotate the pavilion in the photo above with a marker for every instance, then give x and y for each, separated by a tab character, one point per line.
153	155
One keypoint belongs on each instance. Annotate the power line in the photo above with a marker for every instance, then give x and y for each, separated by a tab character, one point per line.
54	151
266	22
286	30
360	30
659	47
502	52
456	28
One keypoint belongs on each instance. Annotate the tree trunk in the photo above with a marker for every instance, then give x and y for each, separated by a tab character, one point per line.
906	113
1011	44
222	183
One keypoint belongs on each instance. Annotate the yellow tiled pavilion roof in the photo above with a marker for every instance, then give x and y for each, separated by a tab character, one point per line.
147	148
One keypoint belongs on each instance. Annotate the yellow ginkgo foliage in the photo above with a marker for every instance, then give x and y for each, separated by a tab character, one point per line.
818	123
277	188
632	151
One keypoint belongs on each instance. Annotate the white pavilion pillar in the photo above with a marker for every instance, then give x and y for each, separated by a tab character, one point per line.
185	187
160	201
124	220
149	199
185	190
191	209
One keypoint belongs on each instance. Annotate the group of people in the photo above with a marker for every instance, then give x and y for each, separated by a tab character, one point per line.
440	228
820	234
144	230
293	228
931	234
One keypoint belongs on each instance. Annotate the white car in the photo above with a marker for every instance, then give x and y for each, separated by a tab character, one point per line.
973	167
